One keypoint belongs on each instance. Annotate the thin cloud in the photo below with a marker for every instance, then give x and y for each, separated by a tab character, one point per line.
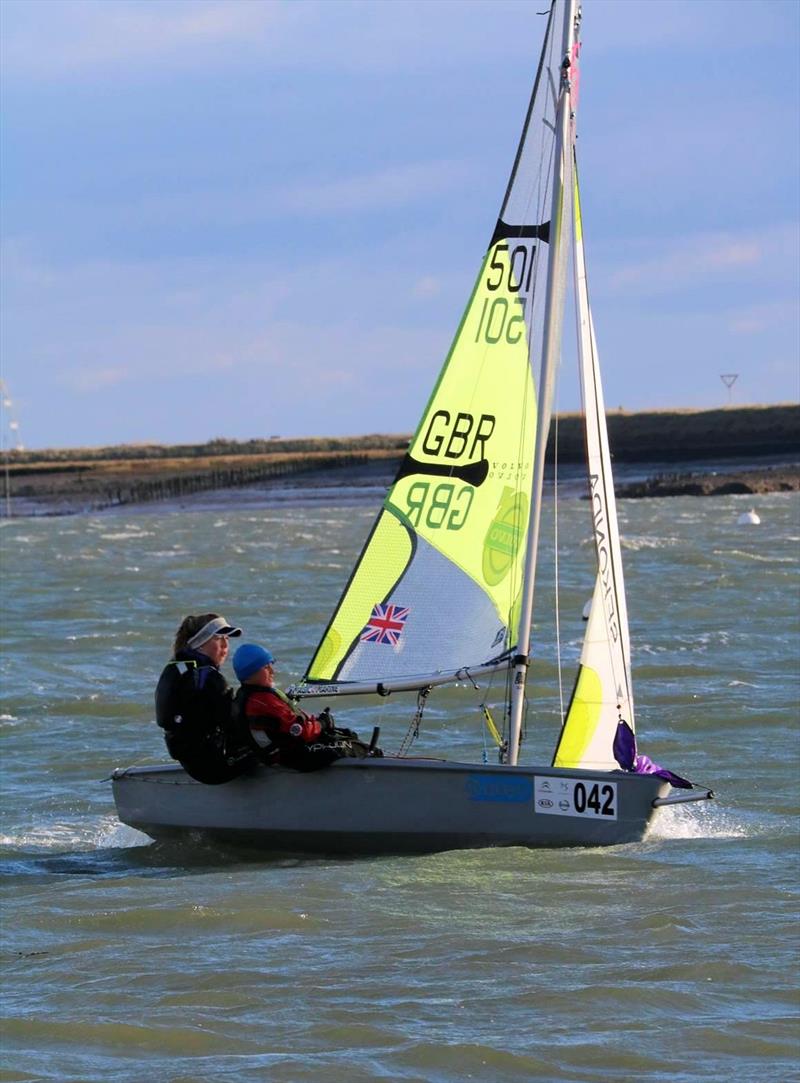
18	262
684	24
53	37
49	39
393	187
755	319
687	260
88	381
396	186
748	325
429	286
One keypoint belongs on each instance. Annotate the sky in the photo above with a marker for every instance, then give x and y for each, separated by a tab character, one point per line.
252	218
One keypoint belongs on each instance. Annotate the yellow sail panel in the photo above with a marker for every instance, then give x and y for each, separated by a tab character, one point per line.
436	584
582	718
385	557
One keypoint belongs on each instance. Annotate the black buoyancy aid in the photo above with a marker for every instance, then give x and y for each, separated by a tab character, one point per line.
192	698
194	707
175	694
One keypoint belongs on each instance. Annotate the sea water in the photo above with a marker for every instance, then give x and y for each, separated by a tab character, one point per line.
673	959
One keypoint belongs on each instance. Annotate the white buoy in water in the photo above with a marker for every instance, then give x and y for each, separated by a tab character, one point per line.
748	518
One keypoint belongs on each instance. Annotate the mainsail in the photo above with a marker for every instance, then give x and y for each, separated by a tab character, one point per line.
437	587
602	696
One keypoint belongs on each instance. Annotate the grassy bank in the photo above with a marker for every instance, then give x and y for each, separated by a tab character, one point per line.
686	435
132	473
679	435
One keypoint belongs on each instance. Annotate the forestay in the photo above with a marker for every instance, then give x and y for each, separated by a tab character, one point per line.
437	587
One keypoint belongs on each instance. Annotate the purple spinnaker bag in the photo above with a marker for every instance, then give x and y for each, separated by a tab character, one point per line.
629	760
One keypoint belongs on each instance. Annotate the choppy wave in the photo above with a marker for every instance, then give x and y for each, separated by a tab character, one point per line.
125	535
761	558
398	967
635	544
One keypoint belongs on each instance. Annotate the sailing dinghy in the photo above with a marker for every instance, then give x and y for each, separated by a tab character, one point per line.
444	588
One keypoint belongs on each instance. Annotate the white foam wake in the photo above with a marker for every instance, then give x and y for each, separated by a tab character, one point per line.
698	821
108	832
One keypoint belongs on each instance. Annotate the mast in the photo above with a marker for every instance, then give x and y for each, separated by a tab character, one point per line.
553	316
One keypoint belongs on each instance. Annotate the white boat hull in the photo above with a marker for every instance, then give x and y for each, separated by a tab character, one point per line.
392	806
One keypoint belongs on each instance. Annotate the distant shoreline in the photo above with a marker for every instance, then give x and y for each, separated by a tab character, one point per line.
679	435
759	443
355	486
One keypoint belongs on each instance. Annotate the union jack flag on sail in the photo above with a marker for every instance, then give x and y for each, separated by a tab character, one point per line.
385	624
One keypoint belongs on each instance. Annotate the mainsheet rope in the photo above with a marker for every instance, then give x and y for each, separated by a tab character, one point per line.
413	730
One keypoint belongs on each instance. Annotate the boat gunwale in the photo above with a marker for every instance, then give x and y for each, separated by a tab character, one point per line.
420	764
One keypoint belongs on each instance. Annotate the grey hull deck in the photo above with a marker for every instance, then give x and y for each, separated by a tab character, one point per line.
383	806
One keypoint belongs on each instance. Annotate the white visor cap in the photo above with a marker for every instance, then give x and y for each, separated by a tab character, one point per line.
216	627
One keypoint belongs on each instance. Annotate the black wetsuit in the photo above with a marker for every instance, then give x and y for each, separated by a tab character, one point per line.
194	707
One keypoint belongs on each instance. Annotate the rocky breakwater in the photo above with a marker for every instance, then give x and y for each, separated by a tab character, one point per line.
773	479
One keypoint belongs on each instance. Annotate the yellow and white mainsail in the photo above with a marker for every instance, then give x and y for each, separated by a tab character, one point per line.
437	587
602	696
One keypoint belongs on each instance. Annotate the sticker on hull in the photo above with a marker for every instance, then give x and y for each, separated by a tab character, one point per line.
507	790
575	797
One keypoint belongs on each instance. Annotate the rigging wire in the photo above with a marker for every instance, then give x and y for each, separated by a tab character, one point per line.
488	722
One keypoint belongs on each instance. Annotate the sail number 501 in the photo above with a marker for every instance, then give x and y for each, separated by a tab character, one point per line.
502	319
495	323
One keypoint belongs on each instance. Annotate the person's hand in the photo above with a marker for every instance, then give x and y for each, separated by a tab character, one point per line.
325	719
